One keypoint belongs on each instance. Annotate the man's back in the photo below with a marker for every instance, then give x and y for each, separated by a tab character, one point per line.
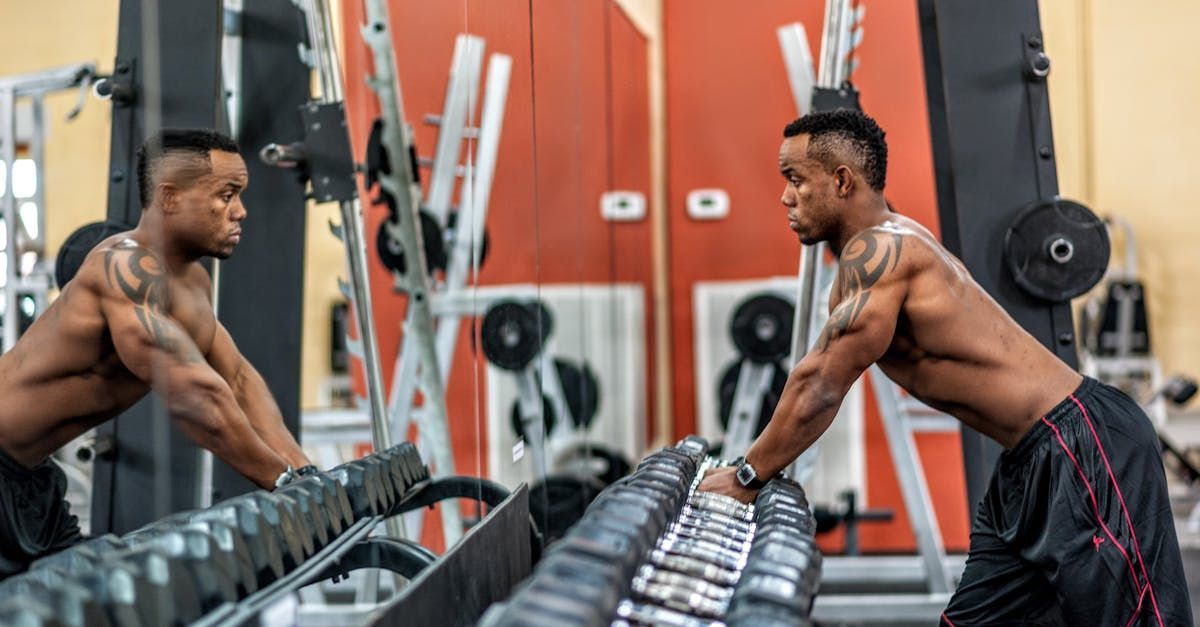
954	347
65	376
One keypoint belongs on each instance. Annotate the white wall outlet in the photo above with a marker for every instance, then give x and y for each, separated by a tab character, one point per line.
623	206
707	204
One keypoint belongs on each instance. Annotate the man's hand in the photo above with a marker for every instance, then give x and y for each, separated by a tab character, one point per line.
724	481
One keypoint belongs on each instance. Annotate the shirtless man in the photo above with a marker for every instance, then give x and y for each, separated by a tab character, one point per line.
1076	526
137	317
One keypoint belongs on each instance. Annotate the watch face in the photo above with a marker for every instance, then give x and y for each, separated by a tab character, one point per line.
745	474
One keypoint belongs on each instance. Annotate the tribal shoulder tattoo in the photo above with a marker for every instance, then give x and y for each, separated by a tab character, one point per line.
866	259
139	276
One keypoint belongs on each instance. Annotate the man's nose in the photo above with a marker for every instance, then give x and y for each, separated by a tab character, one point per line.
788	198
239	212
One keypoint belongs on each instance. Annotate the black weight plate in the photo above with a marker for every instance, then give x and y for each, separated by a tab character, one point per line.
377	158
582	390
392	255
761	328
549	418
77	246
512	333
1057	250
452	222
728	388
559	502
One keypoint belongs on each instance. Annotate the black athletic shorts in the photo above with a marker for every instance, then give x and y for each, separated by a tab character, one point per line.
35	519
1076	527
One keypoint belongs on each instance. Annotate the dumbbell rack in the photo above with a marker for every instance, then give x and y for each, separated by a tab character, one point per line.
227	564
654	550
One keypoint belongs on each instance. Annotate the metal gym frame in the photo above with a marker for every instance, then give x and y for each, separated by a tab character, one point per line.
21	238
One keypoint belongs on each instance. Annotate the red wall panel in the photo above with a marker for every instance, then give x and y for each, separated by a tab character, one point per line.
576	124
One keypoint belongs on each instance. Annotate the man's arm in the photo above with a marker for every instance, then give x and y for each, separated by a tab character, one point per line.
873	283
133	296
254	398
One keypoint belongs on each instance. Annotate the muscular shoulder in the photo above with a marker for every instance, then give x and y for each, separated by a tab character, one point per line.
121	268
888	252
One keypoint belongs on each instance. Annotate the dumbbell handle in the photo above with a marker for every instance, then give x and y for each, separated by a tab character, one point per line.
650	574
696	567
683	600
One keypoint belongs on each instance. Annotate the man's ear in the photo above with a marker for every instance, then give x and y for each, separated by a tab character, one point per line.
843	180
168	197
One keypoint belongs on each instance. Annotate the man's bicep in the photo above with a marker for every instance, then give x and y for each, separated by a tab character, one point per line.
873	283
860	329
224	355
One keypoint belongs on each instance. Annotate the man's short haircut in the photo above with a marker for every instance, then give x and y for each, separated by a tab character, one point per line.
835	136
191	143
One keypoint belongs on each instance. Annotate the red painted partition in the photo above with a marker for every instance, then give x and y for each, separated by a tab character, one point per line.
576	124
728	100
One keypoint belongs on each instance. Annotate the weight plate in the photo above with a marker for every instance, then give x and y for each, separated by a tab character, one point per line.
582	391
728	387
549	418
1056	250
392	255
761	328
512	333
452	222
559	502
77	246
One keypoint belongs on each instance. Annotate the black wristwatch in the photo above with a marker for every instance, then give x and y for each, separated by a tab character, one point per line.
747	475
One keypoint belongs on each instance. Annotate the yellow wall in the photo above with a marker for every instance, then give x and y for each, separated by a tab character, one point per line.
50	34
1123	88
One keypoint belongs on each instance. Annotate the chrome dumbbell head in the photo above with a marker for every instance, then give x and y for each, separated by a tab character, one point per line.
681	599
700	549
722	505
647	614
695	567
649	574
728	538
706	517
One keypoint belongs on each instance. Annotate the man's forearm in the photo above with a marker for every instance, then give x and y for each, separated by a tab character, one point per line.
209	415
806	409
264	416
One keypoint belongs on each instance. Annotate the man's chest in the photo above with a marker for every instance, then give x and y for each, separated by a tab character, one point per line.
190	307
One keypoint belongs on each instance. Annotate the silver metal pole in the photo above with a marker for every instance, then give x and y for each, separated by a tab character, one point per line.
468	236
797	57
8	122
462	89
324	56
401	184
913	486
37	152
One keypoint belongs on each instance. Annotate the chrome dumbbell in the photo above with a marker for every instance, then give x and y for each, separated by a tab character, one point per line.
646	614
682	599
706	517
728	538
695	567
722	504
649	574
725	558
